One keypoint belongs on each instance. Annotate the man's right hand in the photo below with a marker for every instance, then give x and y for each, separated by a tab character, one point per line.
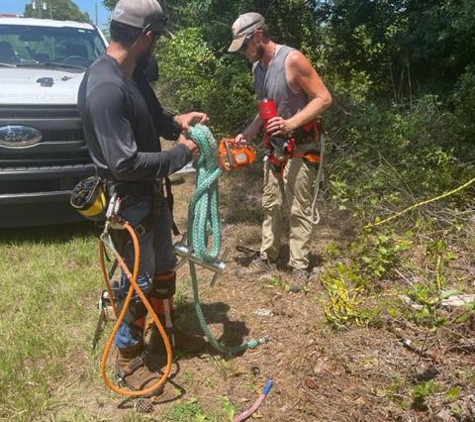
186	121
240	141
195	151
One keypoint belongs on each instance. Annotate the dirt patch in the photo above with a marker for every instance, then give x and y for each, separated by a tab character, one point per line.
320	374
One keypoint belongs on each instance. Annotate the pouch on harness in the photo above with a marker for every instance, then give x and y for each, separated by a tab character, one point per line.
89	199
282	149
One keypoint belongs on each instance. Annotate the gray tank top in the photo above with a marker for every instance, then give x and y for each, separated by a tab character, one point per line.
271	83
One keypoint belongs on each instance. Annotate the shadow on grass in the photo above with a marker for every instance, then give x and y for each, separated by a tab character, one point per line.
49	234
232	334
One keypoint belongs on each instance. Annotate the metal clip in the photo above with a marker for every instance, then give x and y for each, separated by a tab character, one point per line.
114	207
183	250
181	243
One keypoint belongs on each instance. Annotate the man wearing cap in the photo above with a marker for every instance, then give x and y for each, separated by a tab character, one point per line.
123	121
287	77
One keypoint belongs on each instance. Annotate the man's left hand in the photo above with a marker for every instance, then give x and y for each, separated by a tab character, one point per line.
278	126
186	121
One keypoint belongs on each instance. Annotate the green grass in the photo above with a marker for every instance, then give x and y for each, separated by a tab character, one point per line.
50	282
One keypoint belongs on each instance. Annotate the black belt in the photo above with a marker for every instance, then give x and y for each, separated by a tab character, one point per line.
134	188
142	189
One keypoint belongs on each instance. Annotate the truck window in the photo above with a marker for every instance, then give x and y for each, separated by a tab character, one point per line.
28	45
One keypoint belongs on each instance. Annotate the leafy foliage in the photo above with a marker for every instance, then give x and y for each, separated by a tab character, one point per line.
464	103
57	9
193	77
403	47
188	411
422	391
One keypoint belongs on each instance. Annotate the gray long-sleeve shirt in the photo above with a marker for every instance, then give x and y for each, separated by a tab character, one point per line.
122	121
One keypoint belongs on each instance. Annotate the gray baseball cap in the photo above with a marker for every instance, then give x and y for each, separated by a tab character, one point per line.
147	15
243	26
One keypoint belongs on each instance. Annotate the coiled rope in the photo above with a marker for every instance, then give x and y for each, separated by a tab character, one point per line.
204	224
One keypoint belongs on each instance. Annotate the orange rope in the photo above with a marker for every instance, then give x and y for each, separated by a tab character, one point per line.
134	287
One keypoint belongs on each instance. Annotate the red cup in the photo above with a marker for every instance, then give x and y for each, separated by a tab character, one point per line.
267	109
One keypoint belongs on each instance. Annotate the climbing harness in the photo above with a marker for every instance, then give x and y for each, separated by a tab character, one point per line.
282	149
114	221
204	227
280	152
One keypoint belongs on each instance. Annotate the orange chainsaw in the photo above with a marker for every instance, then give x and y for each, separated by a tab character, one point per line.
232	156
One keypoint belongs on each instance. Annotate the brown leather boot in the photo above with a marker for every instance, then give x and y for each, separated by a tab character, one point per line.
133	371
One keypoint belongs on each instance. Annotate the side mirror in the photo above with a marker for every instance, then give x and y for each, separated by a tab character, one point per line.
151	71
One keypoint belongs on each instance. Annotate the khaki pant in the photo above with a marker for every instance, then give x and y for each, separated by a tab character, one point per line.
294	190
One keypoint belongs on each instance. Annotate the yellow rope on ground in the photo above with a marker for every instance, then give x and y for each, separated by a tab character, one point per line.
344	303
437	269
420	204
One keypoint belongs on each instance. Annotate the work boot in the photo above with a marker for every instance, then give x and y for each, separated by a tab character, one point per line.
133	371
267	264
257	266
298	280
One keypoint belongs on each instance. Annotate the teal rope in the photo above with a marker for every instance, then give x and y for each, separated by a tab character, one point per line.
204	224
203	212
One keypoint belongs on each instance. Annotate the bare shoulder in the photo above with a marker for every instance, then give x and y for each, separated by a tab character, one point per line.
298	66
296	59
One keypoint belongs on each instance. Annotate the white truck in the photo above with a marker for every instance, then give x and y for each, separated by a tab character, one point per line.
42	148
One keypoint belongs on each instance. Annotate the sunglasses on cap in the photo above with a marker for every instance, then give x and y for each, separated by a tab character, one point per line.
163	20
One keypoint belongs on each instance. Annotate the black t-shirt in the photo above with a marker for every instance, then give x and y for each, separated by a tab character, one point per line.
122	122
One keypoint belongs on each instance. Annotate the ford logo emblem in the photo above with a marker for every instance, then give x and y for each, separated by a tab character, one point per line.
19	136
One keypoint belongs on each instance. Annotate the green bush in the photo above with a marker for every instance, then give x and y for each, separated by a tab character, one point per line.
391	157
464	104
194	78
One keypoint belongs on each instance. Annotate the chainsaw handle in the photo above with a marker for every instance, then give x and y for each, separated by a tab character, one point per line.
229	153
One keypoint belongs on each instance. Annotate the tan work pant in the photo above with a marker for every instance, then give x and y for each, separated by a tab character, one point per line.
294	190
